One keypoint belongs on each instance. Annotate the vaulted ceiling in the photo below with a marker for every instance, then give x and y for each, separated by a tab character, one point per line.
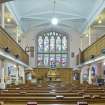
72	14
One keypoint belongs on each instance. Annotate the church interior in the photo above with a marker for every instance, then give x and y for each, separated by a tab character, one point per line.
52	52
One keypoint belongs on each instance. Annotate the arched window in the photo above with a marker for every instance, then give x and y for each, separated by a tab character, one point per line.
52	49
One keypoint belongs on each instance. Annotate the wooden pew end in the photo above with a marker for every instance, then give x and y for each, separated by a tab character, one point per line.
23	92
31	103
1	103
59	97
86	96
82	103
96	96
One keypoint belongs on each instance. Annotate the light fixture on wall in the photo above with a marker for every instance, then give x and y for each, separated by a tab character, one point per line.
8	20
6	49
87	35
15	66
54	20
17	56
99	20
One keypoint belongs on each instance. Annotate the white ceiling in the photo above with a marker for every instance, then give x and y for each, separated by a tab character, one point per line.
72	14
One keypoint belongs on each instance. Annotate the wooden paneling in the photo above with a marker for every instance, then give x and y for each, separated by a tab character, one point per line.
90	51
94	49
7	41
64	73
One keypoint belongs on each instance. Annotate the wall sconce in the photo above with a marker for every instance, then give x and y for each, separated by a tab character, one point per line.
92	56
17	56
100	20
7	49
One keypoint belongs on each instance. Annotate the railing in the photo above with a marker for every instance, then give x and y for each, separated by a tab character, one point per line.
92	51
8	42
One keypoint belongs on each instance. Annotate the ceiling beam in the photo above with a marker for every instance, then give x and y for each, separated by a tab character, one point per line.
34	18
32	14
49	18
48	24
96	11
72	19
41	24
2	1
12	10
63	25
70	8
99	26
10	24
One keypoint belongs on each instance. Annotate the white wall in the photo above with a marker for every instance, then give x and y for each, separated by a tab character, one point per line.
74	46
29	39
95	33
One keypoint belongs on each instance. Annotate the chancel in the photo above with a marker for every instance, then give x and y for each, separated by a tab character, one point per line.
52	52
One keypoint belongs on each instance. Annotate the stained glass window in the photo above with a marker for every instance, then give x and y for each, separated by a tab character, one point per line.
52	59
64	44
46	59
64	60
58	44
58	60
46	44
40	59
52	44
52	49
40	44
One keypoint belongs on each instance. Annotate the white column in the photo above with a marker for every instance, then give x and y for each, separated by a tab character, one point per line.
81	42
81	78
2	84
17	75
24	77
2	75
18	34
89	35
90	76
3	16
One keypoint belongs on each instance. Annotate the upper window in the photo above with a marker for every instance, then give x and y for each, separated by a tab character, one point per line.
52	49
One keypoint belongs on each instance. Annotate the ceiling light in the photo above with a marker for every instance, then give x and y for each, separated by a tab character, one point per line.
100	21
54	21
